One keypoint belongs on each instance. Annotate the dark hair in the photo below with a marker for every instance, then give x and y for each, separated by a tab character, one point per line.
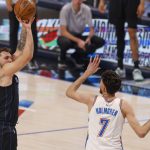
5	49
112	81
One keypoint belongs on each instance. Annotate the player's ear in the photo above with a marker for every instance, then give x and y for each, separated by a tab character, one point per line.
104	89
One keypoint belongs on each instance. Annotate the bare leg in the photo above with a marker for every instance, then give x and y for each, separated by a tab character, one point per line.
137	74
134	46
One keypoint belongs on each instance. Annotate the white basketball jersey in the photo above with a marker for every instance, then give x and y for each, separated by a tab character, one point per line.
105	125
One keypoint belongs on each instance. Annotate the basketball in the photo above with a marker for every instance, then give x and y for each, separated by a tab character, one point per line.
25	9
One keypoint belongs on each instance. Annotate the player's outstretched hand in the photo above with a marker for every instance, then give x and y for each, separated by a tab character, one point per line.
93	66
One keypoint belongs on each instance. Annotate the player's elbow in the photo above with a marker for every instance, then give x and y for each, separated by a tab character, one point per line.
26	59
68	93
141	134
29	56
27	53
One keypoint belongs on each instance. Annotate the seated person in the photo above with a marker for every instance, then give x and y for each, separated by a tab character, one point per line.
74	17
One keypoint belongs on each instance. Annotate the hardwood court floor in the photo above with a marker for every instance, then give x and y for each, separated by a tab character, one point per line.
55	122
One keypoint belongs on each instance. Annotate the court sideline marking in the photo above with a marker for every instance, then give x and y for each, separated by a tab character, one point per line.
65	129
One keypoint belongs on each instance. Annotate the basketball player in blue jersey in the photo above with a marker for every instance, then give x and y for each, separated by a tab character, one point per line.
107	112
9	96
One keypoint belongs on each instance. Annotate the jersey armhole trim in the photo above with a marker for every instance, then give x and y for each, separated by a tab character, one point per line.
93	103
95	98
121	100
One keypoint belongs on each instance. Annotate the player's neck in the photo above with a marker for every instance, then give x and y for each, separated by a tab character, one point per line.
108	97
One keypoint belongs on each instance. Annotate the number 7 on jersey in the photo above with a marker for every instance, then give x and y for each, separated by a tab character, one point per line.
104	122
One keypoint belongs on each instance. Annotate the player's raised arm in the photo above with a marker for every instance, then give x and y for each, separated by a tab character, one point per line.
72	90
27	53
140	130
21	43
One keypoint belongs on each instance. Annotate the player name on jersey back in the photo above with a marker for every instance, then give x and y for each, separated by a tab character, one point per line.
105	110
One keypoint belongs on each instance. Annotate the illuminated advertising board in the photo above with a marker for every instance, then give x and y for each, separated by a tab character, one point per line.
47	36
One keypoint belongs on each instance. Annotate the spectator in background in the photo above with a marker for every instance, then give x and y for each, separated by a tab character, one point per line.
14	26
121	11
74	17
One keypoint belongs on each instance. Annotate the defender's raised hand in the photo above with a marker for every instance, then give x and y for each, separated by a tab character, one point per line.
93	66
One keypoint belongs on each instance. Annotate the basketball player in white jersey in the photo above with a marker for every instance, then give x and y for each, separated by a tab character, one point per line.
107	112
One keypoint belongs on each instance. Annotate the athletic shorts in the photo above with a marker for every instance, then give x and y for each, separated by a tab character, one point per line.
8	138
121	11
